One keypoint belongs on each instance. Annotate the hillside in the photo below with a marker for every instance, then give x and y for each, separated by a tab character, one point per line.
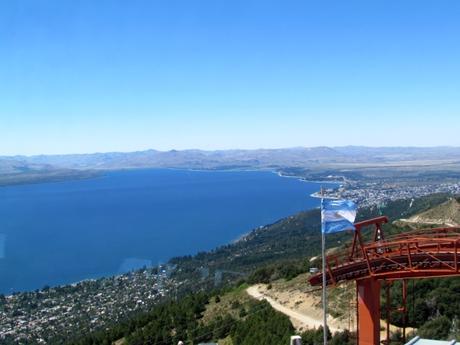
448	213
227	316
297	299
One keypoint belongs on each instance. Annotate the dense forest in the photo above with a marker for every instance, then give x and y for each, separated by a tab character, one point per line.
433	307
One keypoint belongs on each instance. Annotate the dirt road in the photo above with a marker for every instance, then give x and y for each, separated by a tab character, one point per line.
307	321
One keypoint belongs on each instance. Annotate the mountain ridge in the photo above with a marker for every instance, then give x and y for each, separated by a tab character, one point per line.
239	158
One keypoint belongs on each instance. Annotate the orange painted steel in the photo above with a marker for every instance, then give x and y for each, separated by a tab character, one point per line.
368	311
416	254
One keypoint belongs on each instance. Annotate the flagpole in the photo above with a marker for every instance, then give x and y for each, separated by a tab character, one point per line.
336	215
323	252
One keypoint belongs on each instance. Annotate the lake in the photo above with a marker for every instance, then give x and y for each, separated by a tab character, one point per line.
59	233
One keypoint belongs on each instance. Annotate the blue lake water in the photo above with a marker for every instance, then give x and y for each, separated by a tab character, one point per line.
57	233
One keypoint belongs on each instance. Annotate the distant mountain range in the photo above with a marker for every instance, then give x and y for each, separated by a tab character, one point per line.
231	159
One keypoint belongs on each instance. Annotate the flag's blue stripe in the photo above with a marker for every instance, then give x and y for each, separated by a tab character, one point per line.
341	225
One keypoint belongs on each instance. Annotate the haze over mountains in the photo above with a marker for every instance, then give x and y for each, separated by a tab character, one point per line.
228	159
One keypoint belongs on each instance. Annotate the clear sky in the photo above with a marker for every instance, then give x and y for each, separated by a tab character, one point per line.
108	75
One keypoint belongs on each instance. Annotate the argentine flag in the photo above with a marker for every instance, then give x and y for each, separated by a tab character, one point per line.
337	215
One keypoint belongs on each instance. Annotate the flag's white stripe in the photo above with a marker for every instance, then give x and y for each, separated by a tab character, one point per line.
335	216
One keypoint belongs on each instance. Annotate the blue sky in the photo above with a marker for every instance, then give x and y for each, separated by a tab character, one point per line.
87	76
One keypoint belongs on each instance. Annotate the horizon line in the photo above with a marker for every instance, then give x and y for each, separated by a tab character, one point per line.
230	149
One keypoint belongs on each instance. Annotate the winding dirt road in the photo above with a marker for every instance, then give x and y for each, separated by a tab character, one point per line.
306	320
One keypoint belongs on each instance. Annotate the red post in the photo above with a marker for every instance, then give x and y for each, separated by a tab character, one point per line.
368	311
388	310
404	308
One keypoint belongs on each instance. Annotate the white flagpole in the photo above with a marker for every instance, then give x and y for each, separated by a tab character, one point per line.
323	252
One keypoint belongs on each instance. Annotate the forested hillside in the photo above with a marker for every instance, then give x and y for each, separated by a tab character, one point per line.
242	322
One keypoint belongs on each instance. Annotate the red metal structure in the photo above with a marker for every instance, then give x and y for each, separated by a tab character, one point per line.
416	254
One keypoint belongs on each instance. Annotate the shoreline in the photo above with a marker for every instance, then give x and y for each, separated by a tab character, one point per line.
303	179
